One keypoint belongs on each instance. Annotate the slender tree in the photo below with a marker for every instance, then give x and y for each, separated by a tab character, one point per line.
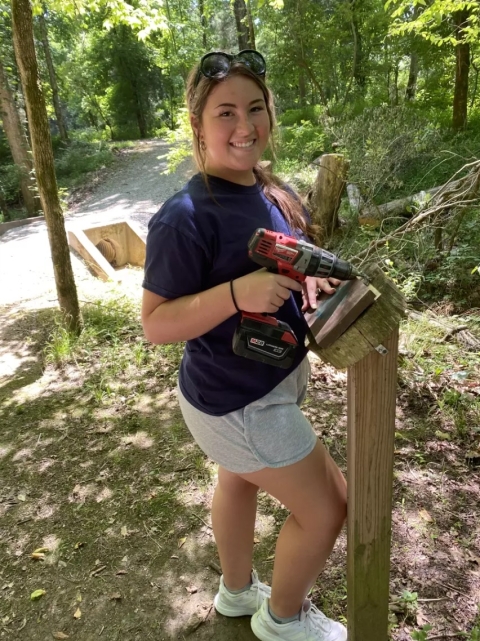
22	23
62	127
462	68
241	20
203	22
411	89
18	143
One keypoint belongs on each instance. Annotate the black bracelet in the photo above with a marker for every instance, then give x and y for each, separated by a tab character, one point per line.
233	297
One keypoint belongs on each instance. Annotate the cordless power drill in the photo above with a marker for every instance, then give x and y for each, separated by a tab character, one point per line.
264	338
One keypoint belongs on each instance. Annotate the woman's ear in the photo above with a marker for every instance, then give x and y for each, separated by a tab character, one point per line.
195	125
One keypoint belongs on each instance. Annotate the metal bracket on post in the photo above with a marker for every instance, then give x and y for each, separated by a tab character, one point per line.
381	350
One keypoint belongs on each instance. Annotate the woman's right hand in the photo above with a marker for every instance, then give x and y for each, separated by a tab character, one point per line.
263	292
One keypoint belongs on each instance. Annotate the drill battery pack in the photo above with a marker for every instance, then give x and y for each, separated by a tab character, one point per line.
264	338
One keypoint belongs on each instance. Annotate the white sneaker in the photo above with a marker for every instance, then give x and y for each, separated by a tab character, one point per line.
245	603
312	625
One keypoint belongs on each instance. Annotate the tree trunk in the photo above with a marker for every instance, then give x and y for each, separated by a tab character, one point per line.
412	77
475	84
301	88
22	23
358	71
142	125
251	30
62	127
328	188
462	55
395	84
18	143
241	20
203	22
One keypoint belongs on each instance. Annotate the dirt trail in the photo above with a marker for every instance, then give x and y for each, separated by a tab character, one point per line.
133	191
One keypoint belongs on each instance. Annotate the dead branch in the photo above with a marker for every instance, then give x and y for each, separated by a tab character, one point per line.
456	195
459	332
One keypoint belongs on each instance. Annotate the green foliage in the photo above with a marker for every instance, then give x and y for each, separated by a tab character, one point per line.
105	323
422	634
181	142
110	344
427	19
292	117
385	146
10	183
79	158
303	142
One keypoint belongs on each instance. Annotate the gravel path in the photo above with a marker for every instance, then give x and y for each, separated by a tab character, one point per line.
133	191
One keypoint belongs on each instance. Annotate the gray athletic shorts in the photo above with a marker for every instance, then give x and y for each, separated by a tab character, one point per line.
270	432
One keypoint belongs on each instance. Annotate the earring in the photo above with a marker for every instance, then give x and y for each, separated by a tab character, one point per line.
203	146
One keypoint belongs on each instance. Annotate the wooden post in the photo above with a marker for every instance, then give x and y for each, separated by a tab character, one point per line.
372	388
368	348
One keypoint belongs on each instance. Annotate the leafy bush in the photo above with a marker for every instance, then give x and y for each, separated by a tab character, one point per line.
295	116
180	140
382	144
80	158
302	143
397	151
10	183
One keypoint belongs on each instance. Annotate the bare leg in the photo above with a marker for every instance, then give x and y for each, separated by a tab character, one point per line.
315	492
234	509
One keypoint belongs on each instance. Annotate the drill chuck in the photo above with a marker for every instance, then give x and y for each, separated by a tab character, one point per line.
323	264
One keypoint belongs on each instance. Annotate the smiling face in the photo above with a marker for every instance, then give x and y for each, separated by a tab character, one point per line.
235	127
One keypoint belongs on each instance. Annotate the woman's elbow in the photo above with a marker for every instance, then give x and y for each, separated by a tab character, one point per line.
152	332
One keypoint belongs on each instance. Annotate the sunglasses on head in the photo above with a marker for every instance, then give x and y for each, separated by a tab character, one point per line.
217	64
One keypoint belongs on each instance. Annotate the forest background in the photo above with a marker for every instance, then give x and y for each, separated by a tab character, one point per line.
393	87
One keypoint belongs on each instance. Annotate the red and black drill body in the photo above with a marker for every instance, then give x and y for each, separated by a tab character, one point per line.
264	338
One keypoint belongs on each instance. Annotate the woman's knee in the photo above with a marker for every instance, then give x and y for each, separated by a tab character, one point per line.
314	491
234	484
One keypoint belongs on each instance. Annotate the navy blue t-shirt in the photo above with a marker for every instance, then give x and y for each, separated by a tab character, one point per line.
195	242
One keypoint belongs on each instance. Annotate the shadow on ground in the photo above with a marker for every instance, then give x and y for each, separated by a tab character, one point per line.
100	477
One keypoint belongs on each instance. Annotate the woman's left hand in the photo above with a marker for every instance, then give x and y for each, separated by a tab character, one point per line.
312	285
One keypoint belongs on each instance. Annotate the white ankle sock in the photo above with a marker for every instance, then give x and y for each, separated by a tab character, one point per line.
280	620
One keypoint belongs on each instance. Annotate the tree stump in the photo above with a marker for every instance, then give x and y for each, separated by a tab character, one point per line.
327	191
368	348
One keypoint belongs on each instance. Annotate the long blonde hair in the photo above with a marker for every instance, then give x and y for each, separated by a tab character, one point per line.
273	188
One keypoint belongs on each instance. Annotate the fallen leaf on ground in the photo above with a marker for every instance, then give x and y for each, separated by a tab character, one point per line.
78	614
421	619
40	551
116	597
60	635
124	531
425	516
37	594
181	541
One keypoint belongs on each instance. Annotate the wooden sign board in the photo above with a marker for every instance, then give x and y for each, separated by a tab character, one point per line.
336	312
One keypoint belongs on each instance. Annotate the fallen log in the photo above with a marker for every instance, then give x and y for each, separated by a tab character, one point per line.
459	332
404	206
454	196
